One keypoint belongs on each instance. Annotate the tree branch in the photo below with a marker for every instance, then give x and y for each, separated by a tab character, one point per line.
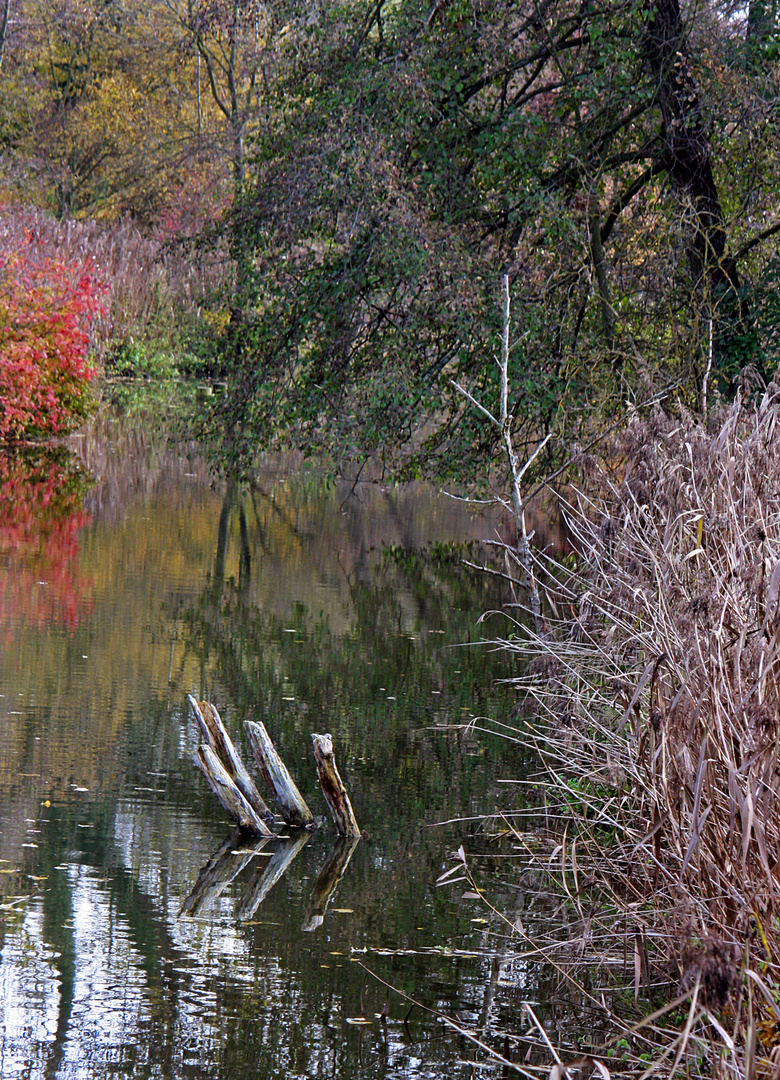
759	238
473	401
622	201
504	424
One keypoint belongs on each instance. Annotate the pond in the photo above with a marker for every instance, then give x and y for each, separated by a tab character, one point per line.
127	582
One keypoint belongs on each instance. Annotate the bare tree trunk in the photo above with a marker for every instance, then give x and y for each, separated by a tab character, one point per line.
226	773
227	791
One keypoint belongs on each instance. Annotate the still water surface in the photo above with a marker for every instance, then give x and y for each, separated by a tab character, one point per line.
295	603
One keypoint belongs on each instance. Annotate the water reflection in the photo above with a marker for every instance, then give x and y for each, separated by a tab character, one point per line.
138	937
42	493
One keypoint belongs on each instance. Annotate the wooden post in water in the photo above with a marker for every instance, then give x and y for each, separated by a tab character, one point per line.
292	805
221	783
219	762
215	735
333	787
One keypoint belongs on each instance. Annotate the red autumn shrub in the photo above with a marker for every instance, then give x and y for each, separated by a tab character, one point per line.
45	309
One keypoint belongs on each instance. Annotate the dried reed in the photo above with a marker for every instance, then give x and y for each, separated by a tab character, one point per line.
655	696
150	286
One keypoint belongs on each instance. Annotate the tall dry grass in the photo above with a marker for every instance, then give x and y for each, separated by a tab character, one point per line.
654	691
151	287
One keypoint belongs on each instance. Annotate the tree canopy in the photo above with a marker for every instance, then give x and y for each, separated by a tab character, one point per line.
617	160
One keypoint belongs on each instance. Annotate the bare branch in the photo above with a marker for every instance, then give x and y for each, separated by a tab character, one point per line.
475	403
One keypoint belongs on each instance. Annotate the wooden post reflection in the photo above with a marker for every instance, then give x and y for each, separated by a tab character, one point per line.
222	868
327	880
264	880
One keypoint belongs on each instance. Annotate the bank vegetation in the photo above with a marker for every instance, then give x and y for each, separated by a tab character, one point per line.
653	690
312	207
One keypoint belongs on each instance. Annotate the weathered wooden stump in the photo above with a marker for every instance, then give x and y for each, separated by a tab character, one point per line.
292	805
220	763
223	786
333	787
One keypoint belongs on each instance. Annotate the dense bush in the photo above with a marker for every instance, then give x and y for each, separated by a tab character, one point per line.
151	286
45	311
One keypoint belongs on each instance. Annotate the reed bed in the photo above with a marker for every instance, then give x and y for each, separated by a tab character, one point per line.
653	687
150	286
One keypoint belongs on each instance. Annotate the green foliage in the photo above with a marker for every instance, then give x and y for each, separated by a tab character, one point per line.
390	165
137	358
765	302
400	165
